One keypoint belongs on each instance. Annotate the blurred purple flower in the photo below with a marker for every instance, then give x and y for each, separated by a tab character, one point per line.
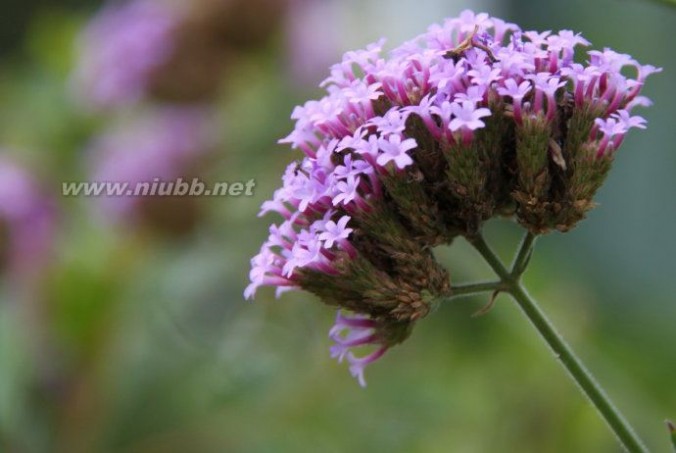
312	46
27	221
120	48
164	145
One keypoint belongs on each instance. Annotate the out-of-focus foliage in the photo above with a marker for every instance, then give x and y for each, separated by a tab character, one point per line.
132	340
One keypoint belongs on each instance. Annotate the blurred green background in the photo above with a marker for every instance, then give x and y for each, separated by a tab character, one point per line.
135	341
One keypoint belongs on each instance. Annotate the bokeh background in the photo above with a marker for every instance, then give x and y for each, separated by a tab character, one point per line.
129	332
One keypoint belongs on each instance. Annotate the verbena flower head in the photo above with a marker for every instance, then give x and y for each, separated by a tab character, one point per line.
27	222
473	119
160	147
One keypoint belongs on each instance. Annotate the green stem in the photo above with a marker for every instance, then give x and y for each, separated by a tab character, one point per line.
475	288
491	258
562	351
523	256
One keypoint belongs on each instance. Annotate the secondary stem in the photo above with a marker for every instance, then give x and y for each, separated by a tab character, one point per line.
524	254
475	288
563	352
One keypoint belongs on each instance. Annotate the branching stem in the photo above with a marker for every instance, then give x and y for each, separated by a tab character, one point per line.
510	282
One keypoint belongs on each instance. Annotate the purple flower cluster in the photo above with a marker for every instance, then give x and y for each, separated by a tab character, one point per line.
351	332
613	130
473	118
120	49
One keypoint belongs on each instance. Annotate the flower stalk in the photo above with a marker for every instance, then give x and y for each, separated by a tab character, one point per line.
523	255
472	289
510	282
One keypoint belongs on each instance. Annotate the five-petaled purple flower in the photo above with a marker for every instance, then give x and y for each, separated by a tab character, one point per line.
467	118
395	150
